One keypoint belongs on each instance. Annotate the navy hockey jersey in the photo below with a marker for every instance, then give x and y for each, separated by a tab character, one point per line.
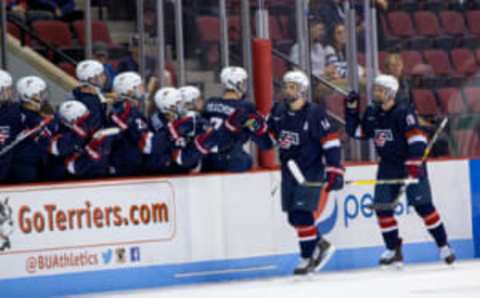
96	108
396	133
10	127
30	158
305	136
217	110
135	141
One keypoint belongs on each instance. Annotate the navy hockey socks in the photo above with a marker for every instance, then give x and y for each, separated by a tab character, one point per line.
433	223
389	228
307	236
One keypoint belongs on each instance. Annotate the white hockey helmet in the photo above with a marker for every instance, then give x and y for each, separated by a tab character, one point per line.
167	100
32	90
234	78
6	83
129	85
388	83
297	77
88	70
72	111
189	94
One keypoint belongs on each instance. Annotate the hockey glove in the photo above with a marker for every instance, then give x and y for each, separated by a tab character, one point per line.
352	101
256	124
334	179
415	168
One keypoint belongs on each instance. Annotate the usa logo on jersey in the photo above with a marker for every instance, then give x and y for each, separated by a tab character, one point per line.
288	138
383	136
4	134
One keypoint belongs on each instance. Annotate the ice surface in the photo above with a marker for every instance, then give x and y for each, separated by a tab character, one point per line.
422	281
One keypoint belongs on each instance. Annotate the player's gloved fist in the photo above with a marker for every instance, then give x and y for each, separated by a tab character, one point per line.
352	101
99	146
334	179
256	124
415	168
236	121
182	127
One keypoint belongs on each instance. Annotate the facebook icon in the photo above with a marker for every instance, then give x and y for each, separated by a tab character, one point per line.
134	254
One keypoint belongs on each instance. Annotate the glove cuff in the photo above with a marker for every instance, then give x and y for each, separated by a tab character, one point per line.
335	170
413	162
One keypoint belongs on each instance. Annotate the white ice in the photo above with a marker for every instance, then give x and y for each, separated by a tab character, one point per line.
413	281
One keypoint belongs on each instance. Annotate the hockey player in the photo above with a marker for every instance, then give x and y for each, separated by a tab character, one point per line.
81	149
232	157
137	139
29	159
166	102
400	143
10	122
305	135
92	79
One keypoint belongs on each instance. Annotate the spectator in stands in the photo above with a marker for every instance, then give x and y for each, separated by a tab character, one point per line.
16	9
317	48
335	53
100	53
394	66
63	10
330	11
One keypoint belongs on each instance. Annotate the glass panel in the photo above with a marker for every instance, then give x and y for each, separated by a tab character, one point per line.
431	47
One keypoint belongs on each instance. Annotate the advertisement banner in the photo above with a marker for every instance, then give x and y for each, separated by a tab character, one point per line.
66	227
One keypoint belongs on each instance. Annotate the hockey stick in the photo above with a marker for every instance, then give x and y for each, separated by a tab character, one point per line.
25	135
300	178
426	154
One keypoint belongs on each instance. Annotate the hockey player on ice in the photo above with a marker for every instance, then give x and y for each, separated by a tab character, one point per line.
400	143
305	135
10	122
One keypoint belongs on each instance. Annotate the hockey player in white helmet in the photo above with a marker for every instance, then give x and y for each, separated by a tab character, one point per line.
77	149
306	138
167	102
10	122
29	160
91	75
128	153
192	99
401	144
296	86
33	93
239	115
